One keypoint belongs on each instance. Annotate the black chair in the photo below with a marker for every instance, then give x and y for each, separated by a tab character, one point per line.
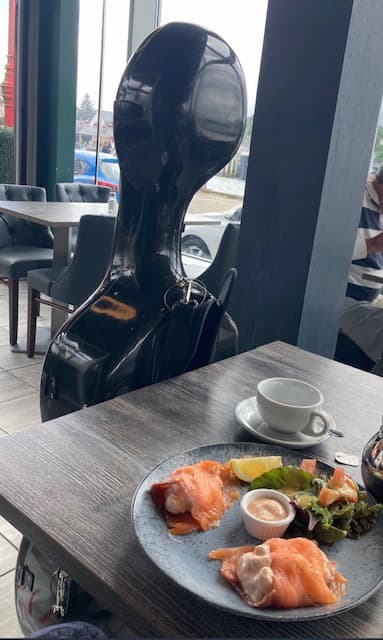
23	246
348	352
225	259
219	279
73	284
79	192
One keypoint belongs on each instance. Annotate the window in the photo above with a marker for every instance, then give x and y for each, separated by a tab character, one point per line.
110	169
102	56
7	89
79	166
243	29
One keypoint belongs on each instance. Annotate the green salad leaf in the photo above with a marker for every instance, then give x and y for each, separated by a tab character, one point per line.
363	518
289	480
329	535
326	524
321	513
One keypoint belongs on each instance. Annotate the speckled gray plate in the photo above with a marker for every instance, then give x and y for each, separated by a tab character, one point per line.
184	558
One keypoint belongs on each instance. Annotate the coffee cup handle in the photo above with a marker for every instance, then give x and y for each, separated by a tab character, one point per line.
327	422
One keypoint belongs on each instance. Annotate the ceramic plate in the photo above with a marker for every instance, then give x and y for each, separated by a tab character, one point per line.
250	419
184	558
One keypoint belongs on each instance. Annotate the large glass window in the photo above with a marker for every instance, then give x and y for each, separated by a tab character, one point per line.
7	90
242	25
102	56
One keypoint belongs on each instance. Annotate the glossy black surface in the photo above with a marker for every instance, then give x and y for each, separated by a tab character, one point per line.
179	117
372	465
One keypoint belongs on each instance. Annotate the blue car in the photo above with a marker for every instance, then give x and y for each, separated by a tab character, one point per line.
85	169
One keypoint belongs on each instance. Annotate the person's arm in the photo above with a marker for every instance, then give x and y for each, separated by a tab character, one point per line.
365	246
375	244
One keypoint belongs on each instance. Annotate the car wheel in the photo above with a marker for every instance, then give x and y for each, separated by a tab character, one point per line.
194	246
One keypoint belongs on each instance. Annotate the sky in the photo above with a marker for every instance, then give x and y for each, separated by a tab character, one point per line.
240	22
89	49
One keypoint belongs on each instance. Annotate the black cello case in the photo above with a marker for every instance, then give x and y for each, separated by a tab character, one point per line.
179	117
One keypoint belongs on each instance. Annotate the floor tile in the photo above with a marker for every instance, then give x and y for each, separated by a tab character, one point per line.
30	374
4	336
4	319
20	413
9	627
10	533
10	360
8	555
12	387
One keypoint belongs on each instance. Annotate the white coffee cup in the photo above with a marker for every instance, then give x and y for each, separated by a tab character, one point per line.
290	405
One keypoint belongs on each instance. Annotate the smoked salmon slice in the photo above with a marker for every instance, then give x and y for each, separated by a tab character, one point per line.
195	497
281	573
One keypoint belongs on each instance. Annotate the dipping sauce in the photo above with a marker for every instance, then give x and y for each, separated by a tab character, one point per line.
267	509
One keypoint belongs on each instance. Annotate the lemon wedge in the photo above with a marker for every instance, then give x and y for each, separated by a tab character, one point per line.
247	469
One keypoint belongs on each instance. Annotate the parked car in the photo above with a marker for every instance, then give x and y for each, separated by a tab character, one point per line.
85	169
202	241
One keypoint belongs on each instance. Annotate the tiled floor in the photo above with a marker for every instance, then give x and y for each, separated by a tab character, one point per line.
19	408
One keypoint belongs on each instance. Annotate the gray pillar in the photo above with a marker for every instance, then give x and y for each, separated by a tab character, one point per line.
319	93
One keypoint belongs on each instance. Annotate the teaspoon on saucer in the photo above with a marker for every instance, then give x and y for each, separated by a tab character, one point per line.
336	432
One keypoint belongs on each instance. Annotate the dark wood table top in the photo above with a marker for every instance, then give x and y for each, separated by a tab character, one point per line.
68	485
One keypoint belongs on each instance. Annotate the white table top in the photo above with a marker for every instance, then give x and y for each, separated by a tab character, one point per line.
53	214
63	214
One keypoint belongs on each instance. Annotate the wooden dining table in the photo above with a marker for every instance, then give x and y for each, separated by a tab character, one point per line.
68	486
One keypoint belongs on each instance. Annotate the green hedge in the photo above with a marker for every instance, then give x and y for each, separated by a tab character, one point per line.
7	160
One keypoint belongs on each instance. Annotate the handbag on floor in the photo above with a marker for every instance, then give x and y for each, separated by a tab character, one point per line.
46	595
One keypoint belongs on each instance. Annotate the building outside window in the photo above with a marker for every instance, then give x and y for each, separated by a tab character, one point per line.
102	56
7	89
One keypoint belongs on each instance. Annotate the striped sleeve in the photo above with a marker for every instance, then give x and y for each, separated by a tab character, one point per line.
360	248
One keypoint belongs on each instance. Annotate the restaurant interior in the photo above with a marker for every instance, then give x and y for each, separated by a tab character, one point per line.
181	186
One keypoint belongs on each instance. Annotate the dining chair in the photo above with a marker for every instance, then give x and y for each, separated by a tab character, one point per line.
74	283
219	278
225	259
23	246
80	192
348	352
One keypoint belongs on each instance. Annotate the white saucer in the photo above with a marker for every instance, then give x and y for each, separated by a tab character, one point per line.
248	416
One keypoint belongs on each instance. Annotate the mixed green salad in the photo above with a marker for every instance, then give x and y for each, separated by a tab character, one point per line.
328	508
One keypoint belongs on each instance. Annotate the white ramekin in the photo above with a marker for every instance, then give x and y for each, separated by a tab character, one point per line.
263	529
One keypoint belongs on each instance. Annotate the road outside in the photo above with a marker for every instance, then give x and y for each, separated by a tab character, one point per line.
209	201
